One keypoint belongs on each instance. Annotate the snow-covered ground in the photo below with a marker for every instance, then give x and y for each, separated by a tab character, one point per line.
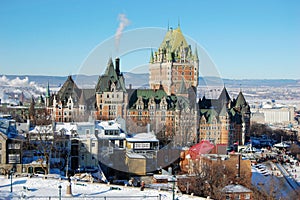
270	178
294	171
39	188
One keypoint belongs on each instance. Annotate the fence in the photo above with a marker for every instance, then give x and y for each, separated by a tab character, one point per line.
133	197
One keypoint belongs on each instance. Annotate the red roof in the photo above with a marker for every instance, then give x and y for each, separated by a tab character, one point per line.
203	147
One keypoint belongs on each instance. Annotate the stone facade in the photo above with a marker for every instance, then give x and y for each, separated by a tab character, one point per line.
224	121
172	62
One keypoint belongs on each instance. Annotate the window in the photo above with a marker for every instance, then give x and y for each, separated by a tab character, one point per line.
142	145
93	144
14	146
13	158
0	147
87	131
247	196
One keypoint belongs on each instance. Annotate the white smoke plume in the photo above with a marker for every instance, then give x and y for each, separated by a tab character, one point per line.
21	83
122	25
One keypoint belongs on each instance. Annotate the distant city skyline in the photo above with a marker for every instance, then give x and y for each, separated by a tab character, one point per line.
245	40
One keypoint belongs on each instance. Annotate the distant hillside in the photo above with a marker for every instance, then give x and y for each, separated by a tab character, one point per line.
213	81
142	81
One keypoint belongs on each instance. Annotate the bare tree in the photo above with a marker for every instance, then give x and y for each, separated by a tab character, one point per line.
44	143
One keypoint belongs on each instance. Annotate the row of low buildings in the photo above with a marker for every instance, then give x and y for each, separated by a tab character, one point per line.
86	146
78	146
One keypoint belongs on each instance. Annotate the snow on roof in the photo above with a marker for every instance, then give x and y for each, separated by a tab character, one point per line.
135	156
142	137
67	127
89	136
41	129
108	125
235	188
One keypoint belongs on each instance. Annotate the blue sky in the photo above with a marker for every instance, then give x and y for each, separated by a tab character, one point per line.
244	39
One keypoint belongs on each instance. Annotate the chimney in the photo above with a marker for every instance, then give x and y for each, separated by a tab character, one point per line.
118	66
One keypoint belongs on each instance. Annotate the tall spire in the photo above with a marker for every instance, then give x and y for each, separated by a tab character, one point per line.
152	57
196	58
47	91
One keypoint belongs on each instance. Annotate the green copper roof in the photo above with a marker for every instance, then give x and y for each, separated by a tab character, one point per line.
173	40
110	76
240	101
110	70
224	111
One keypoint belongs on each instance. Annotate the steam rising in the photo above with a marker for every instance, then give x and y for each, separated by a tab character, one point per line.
122	25
21	83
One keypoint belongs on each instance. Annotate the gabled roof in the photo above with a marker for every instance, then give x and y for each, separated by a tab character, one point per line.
182	89
110	70
182	103
82	99
68	89
110	76
240	101
224	96
209	114
224	111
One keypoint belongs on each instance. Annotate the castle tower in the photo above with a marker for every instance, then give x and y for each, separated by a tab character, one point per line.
172	62
111	93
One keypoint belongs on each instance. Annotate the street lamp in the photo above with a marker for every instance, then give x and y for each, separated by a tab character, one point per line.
59	192
11	174
173	180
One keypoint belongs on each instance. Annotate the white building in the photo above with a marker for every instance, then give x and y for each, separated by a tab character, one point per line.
273	114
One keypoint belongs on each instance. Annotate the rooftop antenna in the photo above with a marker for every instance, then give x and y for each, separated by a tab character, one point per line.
240	87
178	22
168	25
